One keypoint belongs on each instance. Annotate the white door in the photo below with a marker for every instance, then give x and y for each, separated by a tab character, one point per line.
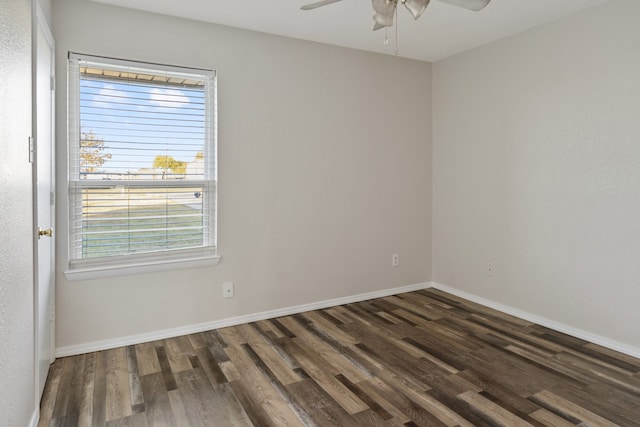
45	198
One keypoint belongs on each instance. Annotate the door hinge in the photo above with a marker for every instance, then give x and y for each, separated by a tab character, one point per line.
52	198
53	313
53	83
32	149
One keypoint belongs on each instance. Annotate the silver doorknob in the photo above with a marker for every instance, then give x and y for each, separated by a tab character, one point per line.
48	232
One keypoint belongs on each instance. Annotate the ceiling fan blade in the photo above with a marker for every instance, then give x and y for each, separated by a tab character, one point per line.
474	5
416	7
318	4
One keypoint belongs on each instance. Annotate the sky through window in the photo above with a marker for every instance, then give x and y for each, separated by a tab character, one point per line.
138	122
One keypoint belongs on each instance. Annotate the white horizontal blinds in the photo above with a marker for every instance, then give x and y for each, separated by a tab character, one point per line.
126	219
142	160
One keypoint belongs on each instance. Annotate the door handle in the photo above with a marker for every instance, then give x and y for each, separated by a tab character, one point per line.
48	232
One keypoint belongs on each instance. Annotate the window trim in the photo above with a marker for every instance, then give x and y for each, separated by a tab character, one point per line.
120	265
80	272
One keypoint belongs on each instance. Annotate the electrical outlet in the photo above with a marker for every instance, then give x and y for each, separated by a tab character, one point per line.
227	290
395	260
490	269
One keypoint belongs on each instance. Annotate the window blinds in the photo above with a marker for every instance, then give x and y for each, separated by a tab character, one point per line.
142	165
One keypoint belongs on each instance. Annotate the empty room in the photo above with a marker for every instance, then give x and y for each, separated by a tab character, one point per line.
334	213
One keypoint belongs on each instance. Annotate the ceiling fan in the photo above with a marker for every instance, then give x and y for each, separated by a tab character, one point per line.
386	9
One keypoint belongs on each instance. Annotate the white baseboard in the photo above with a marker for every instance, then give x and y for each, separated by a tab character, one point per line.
216	324
552	324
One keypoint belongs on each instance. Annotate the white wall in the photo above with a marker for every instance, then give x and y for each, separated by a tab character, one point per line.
537	169
325	172
17	396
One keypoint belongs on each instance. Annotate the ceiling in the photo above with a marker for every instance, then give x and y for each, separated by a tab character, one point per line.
443	30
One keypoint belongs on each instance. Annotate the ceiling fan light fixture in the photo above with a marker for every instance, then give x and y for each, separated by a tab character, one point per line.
416	7
383	20
384	7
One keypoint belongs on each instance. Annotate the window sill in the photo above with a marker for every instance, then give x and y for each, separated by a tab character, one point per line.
101	272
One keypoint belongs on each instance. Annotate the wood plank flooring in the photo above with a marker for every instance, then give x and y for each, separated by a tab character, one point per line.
422	358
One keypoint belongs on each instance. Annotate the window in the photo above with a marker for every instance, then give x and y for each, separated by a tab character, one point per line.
142	163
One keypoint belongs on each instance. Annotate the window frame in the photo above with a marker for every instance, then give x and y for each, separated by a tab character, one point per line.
80	268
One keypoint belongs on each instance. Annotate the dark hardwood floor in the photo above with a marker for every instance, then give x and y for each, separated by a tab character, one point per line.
423	358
